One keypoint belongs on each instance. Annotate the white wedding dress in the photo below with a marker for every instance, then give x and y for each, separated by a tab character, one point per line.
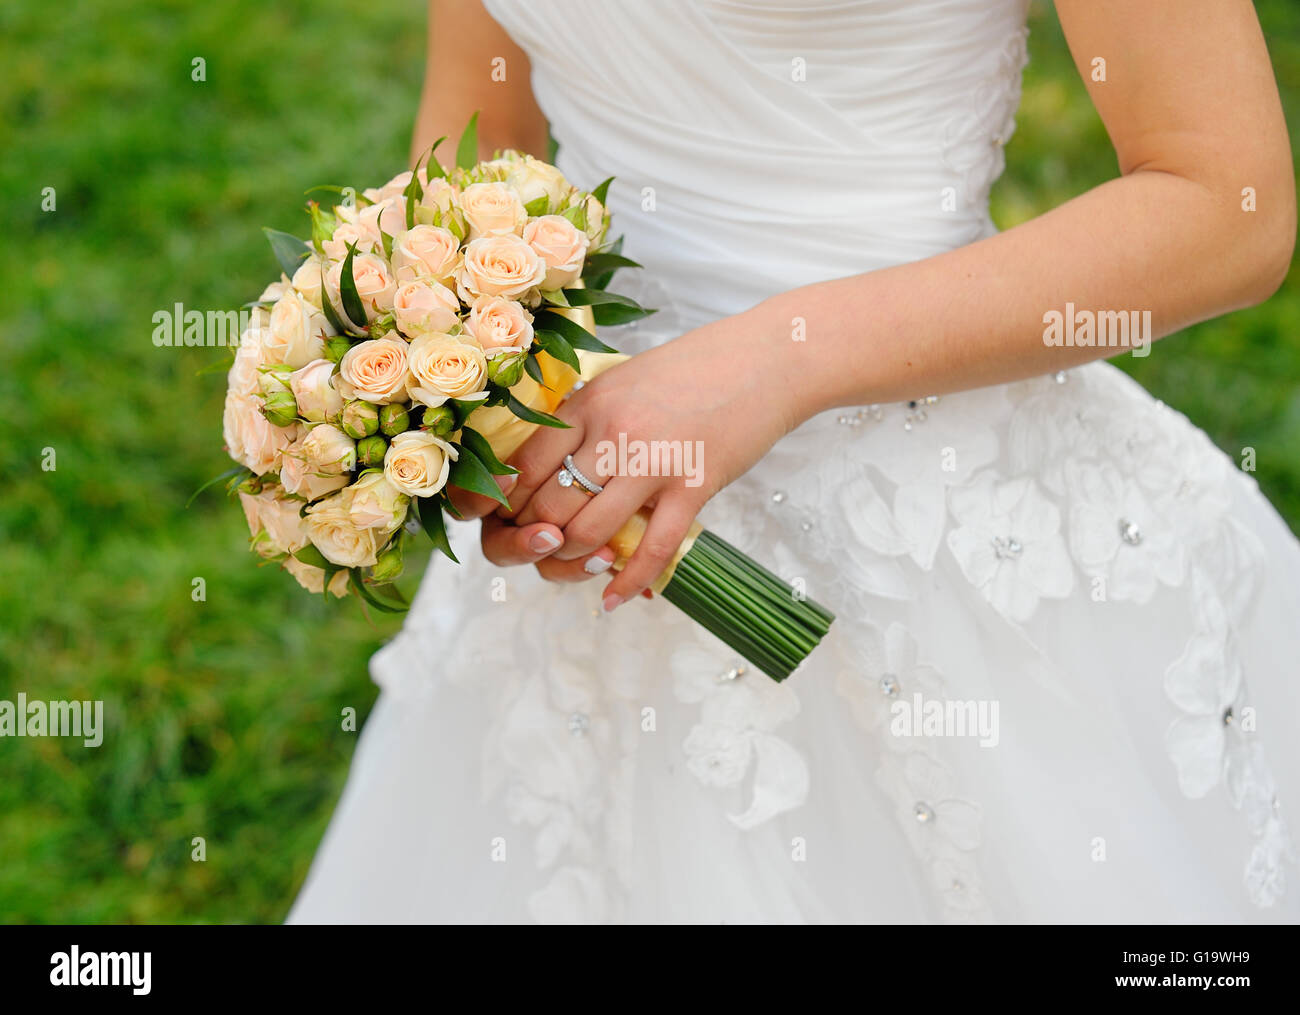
1090	563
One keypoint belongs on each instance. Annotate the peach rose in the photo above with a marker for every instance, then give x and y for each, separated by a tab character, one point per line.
313	390
425	252
492	209
364	236
250	438
386	216
244	378
499	323
375	285
417	463
274	522
561	244
374	371
445	366
425	305
375	503
499	266
313	578
300	477
307	279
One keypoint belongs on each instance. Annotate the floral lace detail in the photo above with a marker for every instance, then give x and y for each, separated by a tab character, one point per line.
973	141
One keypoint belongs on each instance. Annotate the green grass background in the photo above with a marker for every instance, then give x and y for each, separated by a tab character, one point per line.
224	716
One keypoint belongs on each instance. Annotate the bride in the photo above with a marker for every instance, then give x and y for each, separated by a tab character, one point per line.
906	411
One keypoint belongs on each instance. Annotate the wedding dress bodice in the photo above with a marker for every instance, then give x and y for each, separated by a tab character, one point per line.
759	146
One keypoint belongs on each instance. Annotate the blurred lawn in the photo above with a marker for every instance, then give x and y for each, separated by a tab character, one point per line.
224	716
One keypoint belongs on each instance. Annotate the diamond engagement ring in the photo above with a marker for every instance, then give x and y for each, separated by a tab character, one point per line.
571	474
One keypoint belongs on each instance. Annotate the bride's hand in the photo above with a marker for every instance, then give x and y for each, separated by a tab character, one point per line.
703	390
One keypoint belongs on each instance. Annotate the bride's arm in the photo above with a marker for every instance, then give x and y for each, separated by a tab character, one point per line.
1191	106
1193	111
465	47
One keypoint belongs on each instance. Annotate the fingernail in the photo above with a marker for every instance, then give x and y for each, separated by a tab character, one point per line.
543	542
507	483
597	565
611	603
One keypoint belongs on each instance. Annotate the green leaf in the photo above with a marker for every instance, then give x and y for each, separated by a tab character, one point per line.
468	473
556	297
217	479
537	206
478	444
352	305
449	507
413	192
388	244
598	297
434	524
603	281
358	583
327	305
612	314
577	215
433	169
602	189
467	150
310	555
556	344
534	369
532	415
288	249
462	407
600	264
573	332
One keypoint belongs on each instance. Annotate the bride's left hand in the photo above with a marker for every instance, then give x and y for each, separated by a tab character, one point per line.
705	388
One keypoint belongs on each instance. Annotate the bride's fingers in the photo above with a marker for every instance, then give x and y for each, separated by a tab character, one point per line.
473	505
552	502
540	458
506	544
603	515
577	570
663	535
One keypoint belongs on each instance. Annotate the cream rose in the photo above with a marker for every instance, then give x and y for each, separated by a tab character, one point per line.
250	439
307	280
375	503
425	305
364	236
375	371
386	216
439	195
425	252
499	266
313	578
300	477
561	244
445	366
375	285
331	530
492	209
313	390
499	323
244	378
531	178
417	463
296	333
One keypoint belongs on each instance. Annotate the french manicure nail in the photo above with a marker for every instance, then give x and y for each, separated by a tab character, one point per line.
610	603
543	542
507	483
597	565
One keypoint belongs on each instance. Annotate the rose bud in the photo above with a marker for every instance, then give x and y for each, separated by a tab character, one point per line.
360	419
439	422
280	409
393	419
371	451
336	348
389	564
507	370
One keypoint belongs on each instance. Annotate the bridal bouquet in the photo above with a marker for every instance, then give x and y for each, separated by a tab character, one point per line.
417	339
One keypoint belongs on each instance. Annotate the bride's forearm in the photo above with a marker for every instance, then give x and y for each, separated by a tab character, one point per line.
975	316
